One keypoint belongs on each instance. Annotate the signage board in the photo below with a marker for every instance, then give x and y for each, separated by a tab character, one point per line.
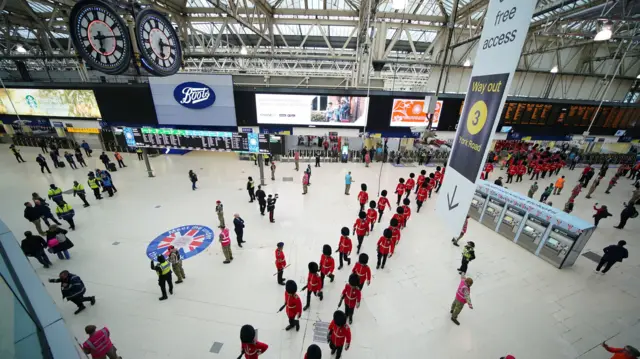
83	130
198	140
194	100
311	110
411	113
49	102
504	32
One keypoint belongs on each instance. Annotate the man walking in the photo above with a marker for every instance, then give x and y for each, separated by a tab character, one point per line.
45	212
262	202
86	148
220	213
612	254
105	160
463	296
139	153
16	152
271	206
78	190
238	227
99	344
34	246
33	215
347	183
73	290
593	187
43	163
163	269
176	263
80	158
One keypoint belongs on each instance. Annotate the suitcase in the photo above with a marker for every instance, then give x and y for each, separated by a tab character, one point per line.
112	167
61	164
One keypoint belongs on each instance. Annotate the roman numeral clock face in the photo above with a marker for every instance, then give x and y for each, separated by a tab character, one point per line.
158	43
100	37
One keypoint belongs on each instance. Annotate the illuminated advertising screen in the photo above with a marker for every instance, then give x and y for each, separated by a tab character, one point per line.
410	113
312	110
49	102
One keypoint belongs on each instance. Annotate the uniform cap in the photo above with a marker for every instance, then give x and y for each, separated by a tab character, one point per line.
326	250
363	258
339	318
313	267
372	204
363	186
406	202
387	233
354	280
423	172
314	352
344	231
280	244
411	175
471	244
247	334
362	215
291	287
383	193
400	210
401	180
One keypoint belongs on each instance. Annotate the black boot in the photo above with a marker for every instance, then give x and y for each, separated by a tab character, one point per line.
306	307
331	277
320	295
288	327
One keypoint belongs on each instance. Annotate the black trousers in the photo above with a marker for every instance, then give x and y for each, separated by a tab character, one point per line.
399	199
349	311
280	274
42	167
536	175
419	204
73	165
360	239
88	152
79	301
263	205
44	149
572	165
294	322
544	197
82	163
463	265
337	350
623	221
344	256
509	178
380	212
317	162
271	214
42	257
361	207
361	285
544	173
121	164
252	195
239	234
69	220
383	258
49	216
139	156
596	220
19	158
519	178
439	185
96	192
83	198
607	265
163	280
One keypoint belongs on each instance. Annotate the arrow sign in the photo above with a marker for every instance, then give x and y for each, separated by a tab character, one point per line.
450	200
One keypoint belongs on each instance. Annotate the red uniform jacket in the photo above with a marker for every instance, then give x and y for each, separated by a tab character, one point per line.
364	272
400	219
430	185
345	245
487	168
395	235
585	170
314	283
363	197
327	264
409	184
522	169
437	176
361	227
400	188
547	167
420	180
352	295
407	213
512	170
372	215
340	335
252	350
537	168
422	194
382	203
385	246
294	305
280	261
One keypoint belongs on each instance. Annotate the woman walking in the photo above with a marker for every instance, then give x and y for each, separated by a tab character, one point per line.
58	242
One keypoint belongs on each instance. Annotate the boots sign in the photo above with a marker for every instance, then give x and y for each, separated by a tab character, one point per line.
498	52
194	95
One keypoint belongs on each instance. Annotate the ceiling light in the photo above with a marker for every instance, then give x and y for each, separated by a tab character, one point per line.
638	77
398	4
467	63
20	49
554	70
605	32
243	50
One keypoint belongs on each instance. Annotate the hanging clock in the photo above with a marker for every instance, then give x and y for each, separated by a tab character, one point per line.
158	43
100	36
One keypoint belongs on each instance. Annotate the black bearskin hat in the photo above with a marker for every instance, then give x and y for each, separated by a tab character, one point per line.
426	182
326	250
406	202
401	180
313	267
339	318
363	258
411	175
354	280
291	287
383	193
438	168
431	175
363	186
400	210
247	334
362	215
423	172
344	231
394	222
372	204
314	352
387	233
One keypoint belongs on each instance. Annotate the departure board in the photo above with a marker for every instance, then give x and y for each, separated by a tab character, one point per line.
200	140
525	113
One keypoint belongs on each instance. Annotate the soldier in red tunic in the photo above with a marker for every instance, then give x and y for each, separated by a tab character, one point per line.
293	304
281	262
399	216
251	348
385	246
361	228
327	264
372	215
351	295
383	202
344	247
395	233
313	352
438	177
422	195
411	182
314	284
432	183
421	178
400	188
362	270
407	210
339	334
363	196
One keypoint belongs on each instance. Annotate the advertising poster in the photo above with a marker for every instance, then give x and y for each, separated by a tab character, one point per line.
411	113
312	110
49	102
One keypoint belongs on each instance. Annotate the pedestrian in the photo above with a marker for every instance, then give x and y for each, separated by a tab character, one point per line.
463	296
362	270
406	211
107	183
176	263
511	171
55	193
251	348
317	159
94	184
488	168
327	264
139	153
65	211
271	206
313	352
163	269
281	263
43	145
225	242
363	196
628	352
33	215
314	284
423	193
308	170
73	290
454	240
193	177
45	211
80	158
120	160
521	170
601	213
497	182
367	159
385	246
238	227
612	183
339	336
273	170
372	214
547	192
594	185
220	213
78	190
296	159
69	158
34	246
86	147
537	167
408	186
441	177
361	228
43	163
293	304
262	202
99	344
399	216
612	254
105	160
421	178
576	190
588	177
400	190
305	183
251	189
383	203
352	296
53	154
629	211
558	186
344	247
468	254
347	183
58	242
568	207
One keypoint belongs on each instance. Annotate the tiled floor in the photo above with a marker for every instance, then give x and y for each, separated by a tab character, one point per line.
523	306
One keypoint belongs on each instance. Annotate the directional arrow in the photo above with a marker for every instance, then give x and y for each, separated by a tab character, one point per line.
450	199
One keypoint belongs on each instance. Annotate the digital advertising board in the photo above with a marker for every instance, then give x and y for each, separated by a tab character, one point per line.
311	110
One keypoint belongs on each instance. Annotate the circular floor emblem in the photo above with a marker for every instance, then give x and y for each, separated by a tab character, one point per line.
190	240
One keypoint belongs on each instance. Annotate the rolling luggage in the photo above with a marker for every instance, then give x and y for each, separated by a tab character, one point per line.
112	167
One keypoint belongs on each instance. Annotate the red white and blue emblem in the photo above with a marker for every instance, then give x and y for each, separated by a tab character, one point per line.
189	240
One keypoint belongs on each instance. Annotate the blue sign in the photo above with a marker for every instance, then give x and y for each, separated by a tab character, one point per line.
254	142
189	240
57	124
194	95
128	136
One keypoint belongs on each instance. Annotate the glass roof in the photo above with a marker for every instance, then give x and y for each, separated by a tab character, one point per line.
38	7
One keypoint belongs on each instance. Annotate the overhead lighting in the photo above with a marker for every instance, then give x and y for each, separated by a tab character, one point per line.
467	63
554	70
398	4
20	49
243	50
605	32
638	77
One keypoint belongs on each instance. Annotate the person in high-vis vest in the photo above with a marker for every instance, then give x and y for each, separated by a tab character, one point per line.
468	254
139	153
99	344
55	193
225	242
463	296
66	212
94	184
78	190
163	268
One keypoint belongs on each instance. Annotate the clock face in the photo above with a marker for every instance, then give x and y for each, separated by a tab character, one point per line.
158	43
100	37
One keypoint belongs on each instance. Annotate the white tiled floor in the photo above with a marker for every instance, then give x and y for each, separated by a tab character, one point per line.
523	305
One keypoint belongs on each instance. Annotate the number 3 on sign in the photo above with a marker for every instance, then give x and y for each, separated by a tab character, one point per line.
477	117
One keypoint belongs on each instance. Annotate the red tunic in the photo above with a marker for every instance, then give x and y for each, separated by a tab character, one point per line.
363	197
437	176
420	180
327	264
340	335
385	246
345	245
314	283
400	188
409	184
395	235
361	227
382	203
400	219
512	170
431	184
364	272
406	214
253	350
522	169
280	261
294	305
372	215
422	194
487	168
537	168
352	295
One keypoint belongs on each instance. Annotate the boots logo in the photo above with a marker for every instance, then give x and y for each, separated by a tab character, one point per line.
194	95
